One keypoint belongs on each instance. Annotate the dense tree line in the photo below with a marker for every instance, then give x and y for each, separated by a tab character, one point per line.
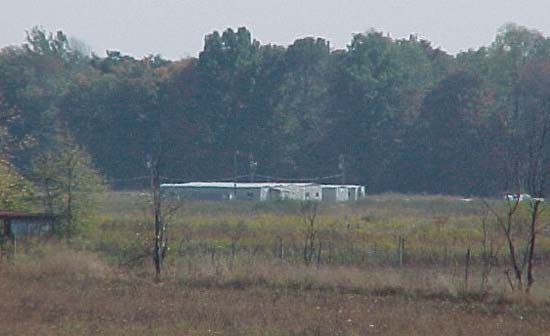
393	114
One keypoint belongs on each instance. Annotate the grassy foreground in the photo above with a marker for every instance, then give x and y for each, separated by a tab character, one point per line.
226	276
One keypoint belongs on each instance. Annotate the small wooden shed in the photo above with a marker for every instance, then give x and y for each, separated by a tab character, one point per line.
20	223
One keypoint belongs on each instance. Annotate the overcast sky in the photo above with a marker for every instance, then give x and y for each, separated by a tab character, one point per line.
176	28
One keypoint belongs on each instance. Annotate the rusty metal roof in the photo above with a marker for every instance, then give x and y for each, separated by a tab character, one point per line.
22	214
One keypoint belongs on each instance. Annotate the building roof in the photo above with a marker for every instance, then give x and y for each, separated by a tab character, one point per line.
232	185
340	186
7	214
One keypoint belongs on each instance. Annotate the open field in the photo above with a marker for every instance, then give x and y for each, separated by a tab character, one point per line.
238	269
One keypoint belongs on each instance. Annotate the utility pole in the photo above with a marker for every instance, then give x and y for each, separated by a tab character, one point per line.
253	165
235	173
342	167
235	165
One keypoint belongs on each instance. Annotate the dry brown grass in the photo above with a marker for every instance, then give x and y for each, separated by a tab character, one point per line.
59	291
221	281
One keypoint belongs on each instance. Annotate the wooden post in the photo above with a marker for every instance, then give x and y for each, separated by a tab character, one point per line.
330	251
466	269
14	246
398	248
281	248
213	254
401	250
319	254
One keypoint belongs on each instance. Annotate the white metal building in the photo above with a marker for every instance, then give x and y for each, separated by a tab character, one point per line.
342	192
335	193
265	191
244	191
355	192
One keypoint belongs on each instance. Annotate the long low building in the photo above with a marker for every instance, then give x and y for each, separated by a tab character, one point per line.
265	191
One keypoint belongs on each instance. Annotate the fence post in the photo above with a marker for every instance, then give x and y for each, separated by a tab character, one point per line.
14	246
401	249
466	269
319	254
281	248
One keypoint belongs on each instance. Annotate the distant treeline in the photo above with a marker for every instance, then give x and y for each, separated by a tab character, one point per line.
393	114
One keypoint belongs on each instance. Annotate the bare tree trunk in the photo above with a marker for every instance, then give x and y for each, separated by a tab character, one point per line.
507	228
488	254
157	205
309	213
466	269
69	190
518	273
531	253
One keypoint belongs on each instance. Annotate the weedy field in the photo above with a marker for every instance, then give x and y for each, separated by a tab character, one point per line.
388	265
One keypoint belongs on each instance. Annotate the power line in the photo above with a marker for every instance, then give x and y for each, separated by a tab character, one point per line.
137	178
303	179
235	178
